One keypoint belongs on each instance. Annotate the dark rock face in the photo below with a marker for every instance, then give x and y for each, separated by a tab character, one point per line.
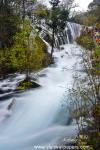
21	87
5	96
5	91
35	85
42	75
61	48
8	93
1	91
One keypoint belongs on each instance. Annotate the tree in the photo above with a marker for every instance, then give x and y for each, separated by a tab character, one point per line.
8	24
53	24
93	5
68	4
40	12
58	18
27	30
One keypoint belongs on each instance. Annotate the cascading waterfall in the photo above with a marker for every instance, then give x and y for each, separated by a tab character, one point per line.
69	35
75	29
38	117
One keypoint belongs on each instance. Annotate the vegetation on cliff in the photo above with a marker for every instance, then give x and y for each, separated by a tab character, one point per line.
85	94
21	48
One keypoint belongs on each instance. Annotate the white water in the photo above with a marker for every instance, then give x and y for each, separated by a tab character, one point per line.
38	118
68	36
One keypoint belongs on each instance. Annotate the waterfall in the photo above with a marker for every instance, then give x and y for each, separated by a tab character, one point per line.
40	117
71	32
74	29
68	36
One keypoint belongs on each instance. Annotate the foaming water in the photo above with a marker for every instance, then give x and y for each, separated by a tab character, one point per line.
35	119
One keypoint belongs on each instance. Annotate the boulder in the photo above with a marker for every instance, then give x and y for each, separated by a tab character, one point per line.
27	84
61	48
5	91
11	104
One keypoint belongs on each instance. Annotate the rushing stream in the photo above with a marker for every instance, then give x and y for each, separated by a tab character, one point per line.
38	117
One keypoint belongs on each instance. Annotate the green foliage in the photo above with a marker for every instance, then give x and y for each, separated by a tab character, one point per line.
96	112
40	57
24	85
91	19
89	91
20	48
27	52
40	12
98	25
8	25
5	63
86	41
96	53
96	61
58	19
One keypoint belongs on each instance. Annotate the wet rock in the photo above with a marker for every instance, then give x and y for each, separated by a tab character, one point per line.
5	85
6	96
42	75
26	84
69	121
11	104
5	91
61	48
35	85
66	53
1	91
34	78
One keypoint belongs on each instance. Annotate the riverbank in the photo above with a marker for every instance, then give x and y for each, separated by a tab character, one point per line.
90	94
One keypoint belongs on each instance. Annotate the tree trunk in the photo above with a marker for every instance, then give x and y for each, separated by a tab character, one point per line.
53	34
28	61
23	10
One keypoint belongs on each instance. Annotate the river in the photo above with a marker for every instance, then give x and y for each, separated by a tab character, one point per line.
41	117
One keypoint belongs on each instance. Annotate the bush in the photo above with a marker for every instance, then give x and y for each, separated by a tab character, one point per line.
86	41
96	61
26	53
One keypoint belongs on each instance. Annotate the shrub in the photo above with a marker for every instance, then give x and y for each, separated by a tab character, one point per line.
86	41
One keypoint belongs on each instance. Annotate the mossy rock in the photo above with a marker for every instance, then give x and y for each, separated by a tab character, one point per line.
27	84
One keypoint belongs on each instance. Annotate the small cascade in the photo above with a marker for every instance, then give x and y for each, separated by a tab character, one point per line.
71	32
68	36
74	29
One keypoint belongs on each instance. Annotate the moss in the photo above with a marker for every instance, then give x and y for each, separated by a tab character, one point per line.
24	85
27	84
